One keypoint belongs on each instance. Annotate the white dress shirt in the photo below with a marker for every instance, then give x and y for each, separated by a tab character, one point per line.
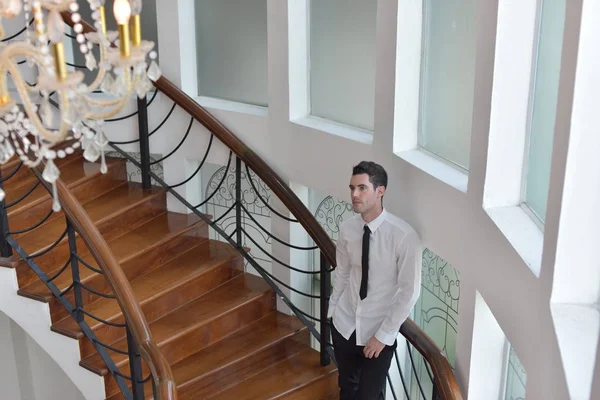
394	281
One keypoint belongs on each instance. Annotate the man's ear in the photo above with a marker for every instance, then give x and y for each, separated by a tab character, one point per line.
381	190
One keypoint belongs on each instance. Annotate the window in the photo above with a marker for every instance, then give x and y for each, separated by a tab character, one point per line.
516	378
231	40
544	100
447	79
342	61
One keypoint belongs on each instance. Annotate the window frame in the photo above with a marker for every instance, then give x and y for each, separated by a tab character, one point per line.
408	97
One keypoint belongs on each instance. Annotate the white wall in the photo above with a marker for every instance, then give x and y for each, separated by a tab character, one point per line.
27	372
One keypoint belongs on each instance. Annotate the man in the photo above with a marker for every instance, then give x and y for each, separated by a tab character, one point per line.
377	283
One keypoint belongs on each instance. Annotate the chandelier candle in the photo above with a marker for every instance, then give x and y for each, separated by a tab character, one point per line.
102	12
136	22
122	11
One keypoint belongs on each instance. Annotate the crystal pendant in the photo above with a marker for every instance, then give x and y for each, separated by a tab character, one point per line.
100	139
51	172
120	86
55	203
83	108
56	27
91	153
103	167
3	153
10	151
154	71
12	8
107	84
72	115
90	61
144	85
46	112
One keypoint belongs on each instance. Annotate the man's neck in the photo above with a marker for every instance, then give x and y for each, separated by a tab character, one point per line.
372	214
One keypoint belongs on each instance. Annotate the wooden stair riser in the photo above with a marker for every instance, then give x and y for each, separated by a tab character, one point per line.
137	264
50	262
328	384
132	218
26	177
188	343
23	176
26	215
245	367
278	381
162	304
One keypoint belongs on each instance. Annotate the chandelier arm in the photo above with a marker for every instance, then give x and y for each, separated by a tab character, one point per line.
103	103
113	112
29	108
22	49
119	102
101	70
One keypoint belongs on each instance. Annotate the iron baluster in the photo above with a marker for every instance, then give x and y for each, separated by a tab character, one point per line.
5	249
135	367
238	200
78	314
325	292
436	393
144	141
154	393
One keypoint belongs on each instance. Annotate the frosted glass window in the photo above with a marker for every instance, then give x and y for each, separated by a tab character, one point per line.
447	78
342	61
545	97
231	38
516	378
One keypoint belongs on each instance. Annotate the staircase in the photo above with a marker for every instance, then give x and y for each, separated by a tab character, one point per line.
216	325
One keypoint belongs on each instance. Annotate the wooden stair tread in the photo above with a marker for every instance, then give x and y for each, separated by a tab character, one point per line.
252	338
236	357
236	292
158	282
128	246
116	201
72	174
279	380
324	389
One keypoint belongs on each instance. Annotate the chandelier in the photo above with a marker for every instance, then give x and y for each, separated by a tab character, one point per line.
29	126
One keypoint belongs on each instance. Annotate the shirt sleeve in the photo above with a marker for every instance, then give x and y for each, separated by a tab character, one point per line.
409	288
342	272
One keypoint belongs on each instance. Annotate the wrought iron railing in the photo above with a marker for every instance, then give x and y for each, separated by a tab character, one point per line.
76	295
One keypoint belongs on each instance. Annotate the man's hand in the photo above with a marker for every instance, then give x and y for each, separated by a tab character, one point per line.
373	348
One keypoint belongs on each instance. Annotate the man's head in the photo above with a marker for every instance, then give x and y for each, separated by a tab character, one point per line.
367	187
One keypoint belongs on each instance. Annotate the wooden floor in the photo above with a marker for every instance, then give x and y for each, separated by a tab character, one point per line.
217	326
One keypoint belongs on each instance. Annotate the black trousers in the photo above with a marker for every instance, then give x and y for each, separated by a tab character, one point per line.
360	378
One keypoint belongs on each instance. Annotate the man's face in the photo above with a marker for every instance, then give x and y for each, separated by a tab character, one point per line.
364	197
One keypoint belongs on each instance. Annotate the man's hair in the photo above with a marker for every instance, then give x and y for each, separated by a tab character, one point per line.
377	175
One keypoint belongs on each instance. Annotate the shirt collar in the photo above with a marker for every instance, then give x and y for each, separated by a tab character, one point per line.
376	223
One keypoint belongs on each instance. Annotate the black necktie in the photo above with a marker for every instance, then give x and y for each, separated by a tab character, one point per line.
365	263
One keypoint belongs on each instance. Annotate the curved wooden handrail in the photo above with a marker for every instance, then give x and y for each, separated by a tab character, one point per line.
275	183
443	373
136	321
